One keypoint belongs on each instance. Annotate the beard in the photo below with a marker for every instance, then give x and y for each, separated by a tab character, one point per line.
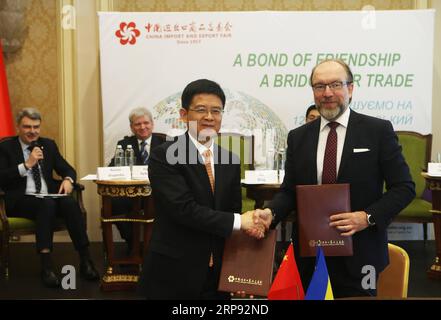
332	114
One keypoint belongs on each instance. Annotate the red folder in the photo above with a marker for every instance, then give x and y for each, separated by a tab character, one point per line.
247	264
315	204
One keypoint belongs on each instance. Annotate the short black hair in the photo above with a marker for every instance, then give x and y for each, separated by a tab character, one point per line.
201	86
310	108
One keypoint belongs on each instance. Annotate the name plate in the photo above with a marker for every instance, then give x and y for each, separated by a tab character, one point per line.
114	173
434	169
140	173
260	176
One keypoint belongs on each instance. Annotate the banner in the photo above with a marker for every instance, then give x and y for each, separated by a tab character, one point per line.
263	61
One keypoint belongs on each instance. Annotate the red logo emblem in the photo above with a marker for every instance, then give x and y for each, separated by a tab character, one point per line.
127	33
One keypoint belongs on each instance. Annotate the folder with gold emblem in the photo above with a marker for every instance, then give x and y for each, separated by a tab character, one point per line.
247	264
315	204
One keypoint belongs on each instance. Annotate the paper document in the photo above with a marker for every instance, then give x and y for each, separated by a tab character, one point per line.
48	195
89	177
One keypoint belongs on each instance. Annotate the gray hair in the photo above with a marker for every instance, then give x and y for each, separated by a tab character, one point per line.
30	113
139	112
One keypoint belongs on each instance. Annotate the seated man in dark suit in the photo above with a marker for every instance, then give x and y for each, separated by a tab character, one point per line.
27	162
143	142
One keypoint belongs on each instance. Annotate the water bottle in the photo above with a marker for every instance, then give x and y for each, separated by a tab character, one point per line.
129	156
281	158
270	159
119	156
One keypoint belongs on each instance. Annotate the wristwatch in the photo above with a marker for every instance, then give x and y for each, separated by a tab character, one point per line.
370	220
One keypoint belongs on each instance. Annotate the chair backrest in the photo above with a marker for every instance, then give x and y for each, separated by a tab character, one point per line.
240	145
6	138
417	150
159	134
393	281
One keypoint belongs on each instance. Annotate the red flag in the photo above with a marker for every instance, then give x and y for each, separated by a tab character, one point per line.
287	284
6	124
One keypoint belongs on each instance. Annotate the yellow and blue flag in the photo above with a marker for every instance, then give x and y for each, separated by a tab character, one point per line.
320	285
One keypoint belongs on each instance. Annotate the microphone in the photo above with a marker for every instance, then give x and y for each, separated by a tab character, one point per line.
36	144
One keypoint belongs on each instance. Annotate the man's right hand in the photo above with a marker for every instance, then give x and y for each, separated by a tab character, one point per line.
252	226
34	156
263	216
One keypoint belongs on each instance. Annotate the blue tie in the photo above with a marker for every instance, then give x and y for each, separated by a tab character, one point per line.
144	153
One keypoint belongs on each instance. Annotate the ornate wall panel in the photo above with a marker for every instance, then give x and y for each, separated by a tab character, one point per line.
32	71
251	5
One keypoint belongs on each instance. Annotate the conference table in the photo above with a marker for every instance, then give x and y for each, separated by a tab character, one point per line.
434	184
122	273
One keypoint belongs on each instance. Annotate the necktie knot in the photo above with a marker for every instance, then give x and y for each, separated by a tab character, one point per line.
333	125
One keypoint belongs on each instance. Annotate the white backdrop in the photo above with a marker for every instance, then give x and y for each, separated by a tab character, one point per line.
263	61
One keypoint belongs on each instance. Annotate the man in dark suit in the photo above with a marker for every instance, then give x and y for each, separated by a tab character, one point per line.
27	162
343	146
143	141
197	194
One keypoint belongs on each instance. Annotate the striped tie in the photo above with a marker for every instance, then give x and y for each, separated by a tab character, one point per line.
207	156
37	178
144	153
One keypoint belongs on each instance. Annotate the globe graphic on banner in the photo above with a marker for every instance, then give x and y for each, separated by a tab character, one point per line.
243	114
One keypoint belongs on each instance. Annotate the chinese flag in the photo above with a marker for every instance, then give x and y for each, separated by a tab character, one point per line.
6	125
287	284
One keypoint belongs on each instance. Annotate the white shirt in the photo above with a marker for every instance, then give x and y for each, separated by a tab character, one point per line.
201	149
323	136
30	183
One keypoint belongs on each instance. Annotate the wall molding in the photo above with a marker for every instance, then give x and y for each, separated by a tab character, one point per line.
421	4
67	66
105	5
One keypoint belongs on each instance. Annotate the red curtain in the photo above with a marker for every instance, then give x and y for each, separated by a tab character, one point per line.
6	123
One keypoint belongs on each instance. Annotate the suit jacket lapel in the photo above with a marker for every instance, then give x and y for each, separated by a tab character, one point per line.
314	131
349	142
192	156
18	151
135	146
219	173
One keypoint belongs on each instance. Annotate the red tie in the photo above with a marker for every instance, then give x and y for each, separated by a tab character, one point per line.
329	174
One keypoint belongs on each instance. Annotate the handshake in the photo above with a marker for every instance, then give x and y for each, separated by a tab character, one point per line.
255	223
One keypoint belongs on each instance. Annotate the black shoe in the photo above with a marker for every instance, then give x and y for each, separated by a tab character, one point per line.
88	271
50	279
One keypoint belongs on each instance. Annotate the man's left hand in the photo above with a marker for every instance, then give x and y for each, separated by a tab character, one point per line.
349	222
65	187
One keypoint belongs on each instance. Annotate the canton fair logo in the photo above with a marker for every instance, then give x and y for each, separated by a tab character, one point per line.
127	33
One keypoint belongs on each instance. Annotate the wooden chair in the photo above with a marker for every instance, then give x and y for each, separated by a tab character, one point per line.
393	281
417	149
11	226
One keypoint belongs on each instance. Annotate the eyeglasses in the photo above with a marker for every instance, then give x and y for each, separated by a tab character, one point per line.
215	112
333	86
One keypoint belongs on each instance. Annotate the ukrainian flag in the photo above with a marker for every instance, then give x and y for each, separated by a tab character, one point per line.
320	286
